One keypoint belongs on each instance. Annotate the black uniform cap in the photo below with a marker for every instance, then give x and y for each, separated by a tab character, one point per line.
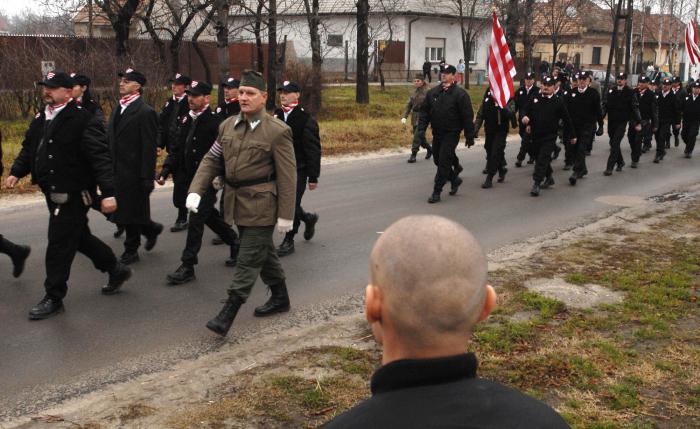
644	79
676	79
584	74
666	81
80	79
288	86
199	88
449	69
133	76
548	80
180	79
621	76
231	83
695	84
57	79
530	75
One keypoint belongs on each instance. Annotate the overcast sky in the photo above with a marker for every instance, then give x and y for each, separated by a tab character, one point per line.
13	7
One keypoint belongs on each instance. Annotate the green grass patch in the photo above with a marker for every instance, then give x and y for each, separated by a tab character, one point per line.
625	395
546	306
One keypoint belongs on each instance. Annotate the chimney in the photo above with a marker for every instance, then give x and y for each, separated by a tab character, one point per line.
647	10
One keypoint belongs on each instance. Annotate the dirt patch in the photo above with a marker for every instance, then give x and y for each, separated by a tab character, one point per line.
574	296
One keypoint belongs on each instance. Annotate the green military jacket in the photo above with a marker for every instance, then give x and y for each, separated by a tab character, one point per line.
415	103
247	150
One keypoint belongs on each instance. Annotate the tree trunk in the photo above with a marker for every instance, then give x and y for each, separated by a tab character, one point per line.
512	24
272	56
175	55
121	21
314	104
362	73
527	33
466	48
222	17
258	39
198	49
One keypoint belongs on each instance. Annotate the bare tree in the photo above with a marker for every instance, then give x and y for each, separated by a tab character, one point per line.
314	22
120	14
557	21
512	24
527	39
272	54
472	24
362	73
221	26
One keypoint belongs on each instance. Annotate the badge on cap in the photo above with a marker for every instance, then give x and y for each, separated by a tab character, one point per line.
72	75
50	75
177	75
129	70
535	100
286	82
230	79
194	84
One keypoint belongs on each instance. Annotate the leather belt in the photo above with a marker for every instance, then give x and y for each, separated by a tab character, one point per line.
245	183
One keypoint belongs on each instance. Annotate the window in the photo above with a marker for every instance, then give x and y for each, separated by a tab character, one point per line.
335	40
597	51
472	54
434	50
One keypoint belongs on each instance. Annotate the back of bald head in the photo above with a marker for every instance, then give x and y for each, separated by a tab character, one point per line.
432	275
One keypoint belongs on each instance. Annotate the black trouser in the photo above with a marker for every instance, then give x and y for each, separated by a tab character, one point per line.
69	233
663	134
495	151
299	213
525	144
543	148
209	216
6	246
134	233
180	187
584	137
427	76
418	140
444	157
616	131
569	151
690	133
638	138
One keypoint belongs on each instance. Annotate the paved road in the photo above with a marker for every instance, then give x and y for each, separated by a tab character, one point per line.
138	328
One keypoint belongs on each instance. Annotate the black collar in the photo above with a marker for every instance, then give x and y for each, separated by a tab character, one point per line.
402	374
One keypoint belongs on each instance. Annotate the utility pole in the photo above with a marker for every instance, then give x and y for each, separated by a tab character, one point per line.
613	46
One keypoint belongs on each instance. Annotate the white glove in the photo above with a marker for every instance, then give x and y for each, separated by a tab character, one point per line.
403	121
218	183
192	202
284	225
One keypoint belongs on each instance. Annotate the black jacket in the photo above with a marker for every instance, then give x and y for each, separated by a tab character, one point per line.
444	393
669	108
522	98
621	105
133	142
691	110
648	108
545	114
307	143
191	145
68	154
168	120
91	106
584	108
447	111
494	118
226	110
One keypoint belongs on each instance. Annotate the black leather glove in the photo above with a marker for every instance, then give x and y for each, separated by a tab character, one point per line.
469	141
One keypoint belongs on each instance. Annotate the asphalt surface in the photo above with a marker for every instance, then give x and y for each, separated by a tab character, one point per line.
106	338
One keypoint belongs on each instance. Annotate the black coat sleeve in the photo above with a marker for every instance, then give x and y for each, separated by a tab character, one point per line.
95	148
600	114
312	150
23	163
467	115
148	130
634	105
424	115
564	116
479	119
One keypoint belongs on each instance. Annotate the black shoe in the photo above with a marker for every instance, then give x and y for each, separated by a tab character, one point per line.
217	241
502	174
607	172
581	174
151	241
19	255
180	225
676	142
518	163
278	302
549	181
183	274
117	277
557	150
429	152
129	258
535	191
688	155
657	159
588	153
223	321
233	256
488	183
484	171
634	164
435	198
619	168
46	308
458	169
668	145
286	248
531	161
572	179
310	226
568	167
118	233
412	158
455	185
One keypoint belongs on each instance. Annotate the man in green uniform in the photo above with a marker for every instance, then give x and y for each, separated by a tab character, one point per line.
415	103
254	153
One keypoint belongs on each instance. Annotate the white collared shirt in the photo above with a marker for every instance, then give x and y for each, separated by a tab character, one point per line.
52	114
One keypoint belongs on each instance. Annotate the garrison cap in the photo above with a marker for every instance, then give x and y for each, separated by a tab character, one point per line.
449	69
57	79
288	86
530	75
253	79
644	79
199	88
621	76
419	76
133	76
231	83
548	80
180	79
80	79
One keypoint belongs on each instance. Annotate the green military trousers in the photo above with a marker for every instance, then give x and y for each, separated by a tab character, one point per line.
257	256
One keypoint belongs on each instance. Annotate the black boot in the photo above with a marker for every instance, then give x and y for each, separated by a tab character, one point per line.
179	225
549	181
676	142
573	178
120	230
17	253
233	256
456	182
286	248
502	174
531	161
535	191
557	150
488	183
183	274
435	198
412	158
46	308
429	152
117	277
278	302
634	164
129	258
223	321
153	239
310	226
657	159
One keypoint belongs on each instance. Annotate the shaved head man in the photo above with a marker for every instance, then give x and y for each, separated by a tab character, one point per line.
423	315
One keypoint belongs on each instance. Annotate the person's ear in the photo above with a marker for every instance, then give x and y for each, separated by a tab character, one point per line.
489	303
373	304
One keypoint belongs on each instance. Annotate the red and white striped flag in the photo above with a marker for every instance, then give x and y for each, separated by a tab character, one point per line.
501	67
691	43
